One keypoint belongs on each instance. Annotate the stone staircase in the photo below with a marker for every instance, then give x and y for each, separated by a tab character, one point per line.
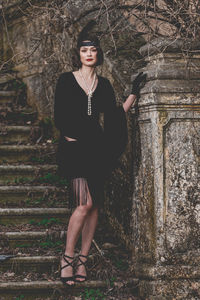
33	211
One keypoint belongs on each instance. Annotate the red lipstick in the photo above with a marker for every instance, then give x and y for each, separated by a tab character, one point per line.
89	59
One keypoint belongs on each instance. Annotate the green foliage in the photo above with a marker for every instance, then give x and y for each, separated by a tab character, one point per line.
112	280
21	180
16	84
25	245
92	294
55	140
48	201
48	178
51	244
46	244
52	179
36	201
37	160
20	297
121	264
45	222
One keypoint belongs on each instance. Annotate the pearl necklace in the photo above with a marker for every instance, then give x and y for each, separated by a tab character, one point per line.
90	91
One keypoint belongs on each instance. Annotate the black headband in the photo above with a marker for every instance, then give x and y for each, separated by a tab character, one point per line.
88	43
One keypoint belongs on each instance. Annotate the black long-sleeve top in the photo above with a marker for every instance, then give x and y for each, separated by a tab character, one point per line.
72	120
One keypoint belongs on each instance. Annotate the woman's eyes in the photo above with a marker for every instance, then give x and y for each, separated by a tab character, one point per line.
93	50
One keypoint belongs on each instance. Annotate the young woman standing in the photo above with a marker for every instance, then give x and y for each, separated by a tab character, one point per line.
86	152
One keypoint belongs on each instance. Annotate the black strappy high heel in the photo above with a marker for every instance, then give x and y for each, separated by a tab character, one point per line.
68	263
81	263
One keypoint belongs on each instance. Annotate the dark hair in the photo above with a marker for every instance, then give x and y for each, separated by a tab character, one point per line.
76	62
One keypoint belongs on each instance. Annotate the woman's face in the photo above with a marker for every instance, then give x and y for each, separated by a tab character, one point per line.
88	55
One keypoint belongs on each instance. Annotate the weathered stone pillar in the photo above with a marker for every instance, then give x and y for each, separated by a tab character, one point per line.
166	198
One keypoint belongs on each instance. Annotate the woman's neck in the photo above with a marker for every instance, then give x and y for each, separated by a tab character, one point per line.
88	72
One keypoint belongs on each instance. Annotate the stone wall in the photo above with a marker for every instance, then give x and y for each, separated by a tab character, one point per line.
166	186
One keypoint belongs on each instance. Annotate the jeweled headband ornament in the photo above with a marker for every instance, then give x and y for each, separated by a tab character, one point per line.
88	43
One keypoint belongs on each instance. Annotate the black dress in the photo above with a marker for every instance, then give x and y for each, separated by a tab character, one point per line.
88	161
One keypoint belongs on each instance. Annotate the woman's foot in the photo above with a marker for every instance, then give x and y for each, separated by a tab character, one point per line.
66	274
81	274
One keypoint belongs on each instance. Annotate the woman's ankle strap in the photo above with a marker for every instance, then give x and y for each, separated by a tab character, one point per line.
83	255
65	255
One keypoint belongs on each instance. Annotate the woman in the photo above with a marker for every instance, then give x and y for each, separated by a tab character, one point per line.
87	153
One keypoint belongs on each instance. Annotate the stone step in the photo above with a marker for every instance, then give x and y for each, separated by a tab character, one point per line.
17	134
19	117
29	238
7	97
6	77
11	196
16	174
50	289
14	216
38	264
27	153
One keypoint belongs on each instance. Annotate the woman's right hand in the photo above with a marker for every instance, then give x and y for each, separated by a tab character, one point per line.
69	139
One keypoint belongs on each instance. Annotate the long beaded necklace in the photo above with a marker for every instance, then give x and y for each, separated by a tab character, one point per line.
90	91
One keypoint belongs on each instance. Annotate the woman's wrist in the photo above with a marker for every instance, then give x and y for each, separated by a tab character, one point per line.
129	102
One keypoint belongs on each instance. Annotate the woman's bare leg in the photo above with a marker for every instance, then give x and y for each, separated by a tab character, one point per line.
74	228
87	236
84	218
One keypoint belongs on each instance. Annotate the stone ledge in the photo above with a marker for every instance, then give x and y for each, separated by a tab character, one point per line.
4	78
7	97
30	239
32	259
169	272
7	93
12	173
24	189
15	196
22	153
27	168
49	285
28	148
145	107
32	211
44	288
28	235
171	86
47	289
17	128
14	216
38	264
10	135
170	289
169	45
172	70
